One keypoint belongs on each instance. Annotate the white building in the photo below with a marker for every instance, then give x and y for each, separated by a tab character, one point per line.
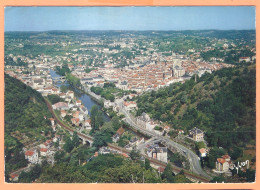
32	156
159	153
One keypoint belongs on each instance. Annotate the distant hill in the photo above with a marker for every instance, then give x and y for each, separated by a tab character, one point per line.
223	104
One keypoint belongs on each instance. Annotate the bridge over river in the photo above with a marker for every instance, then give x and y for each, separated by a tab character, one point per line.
59	79
86	138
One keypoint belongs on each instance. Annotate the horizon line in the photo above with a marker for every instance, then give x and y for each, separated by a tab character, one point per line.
176	30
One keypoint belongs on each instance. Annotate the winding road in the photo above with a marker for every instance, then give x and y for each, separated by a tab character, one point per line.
192	157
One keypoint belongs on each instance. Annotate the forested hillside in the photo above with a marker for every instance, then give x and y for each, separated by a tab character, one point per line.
222	104
24	120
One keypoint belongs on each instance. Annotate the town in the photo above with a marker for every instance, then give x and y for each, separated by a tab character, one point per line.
114	70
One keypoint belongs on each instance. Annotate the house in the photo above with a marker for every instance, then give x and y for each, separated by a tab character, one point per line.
223	164
81	116
78	103
55	91
43	151
38	83
108	104
196	134
124	155
166	129
56	138
68	99
104	150
60	106
159	153
131	96
143	119
76	114
46	144
74	108
54	128
63	113
135	141
14	177
130	105
87	124
83	110
180	131
116	108
123	85
118	134
75	121
71	94
160	170
150	125
246	59
203	152
32	156
62	95
52	121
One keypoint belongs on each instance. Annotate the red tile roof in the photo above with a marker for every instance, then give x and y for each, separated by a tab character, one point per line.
29	153
14	176
161	169
221	160
120	131
202	150
44	150
226	156
125	155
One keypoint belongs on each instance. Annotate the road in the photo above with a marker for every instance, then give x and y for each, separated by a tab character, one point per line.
200	178
192	157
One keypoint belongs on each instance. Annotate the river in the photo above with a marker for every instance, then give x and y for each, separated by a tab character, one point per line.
85	99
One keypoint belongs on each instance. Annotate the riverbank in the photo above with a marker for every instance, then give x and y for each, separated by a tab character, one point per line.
86	98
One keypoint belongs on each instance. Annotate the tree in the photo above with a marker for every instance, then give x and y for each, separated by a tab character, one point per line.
58	156
25	177
63	88
93	114
134	155
54	98
74	160
68	118
99	119
36	171
116	123
56	144
236	153
75	139
68	146
218	179
101	139
168	174
147	164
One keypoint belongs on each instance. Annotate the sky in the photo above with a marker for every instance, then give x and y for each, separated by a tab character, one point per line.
129	18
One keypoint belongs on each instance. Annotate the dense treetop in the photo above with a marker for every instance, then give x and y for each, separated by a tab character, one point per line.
222	104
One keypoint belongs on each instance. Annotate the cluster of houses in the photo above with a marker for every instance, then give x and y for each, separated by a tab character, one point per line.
74	109
45	150
224	165
106	150
147	123
133	142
